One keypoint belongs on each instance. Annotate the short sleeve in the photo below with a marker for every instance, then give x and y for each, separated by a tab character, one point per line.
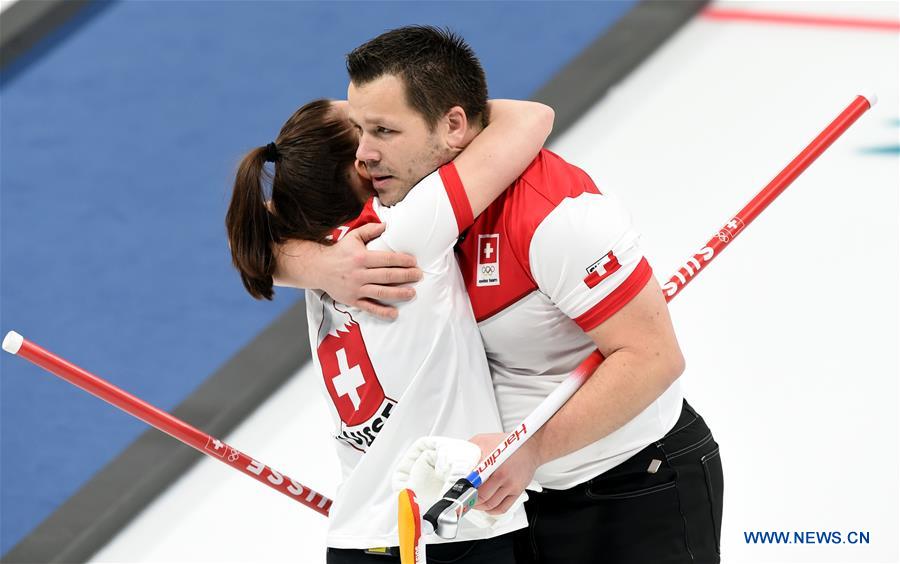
585	256
427	223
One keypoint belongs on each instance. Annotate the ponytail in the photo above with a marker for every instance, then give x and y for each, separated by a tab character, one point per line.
249	225
311	192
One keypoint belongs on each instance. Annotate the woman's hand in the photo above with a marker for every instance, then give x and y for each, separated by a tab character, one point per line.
348	272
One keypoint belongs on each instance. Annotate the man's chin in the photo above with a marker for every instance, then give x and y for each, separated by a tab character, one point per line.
388	198
391	194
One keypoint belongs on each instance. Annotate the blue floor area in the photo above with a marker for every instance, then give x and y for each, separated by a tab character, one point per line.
118	148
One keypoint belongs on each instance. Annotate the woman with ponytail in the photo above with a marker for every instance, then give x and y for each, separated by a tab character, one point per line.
424	374
313	189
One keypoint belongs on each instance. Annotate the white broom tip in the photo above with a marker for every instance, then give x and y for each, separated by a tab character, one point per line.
427	528
871	97
12	342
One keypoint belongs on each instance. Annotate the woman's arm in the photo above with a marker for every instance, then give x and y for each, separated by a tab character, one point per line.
501	153
348	271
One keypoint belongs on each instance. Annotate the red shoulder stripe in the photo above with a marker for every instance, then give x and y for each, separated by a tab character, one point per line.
605	309
459	201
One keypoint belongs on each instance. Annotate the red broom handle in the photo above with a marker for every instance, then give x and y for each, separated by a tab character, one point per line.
155	417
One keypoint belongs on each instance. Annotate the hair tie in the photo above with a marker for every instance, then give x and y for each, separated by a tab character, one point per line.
272	153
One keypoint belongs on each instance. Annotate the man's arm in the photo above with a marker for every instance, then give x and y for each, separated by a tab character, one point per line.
348	271
642	360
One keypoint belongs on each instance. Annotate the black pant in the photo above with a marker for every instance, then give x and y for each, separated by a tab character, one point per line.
498	550
628	515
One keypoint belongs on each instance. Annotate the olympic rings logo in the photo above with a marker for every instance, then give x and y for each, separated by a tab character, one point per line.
233	455
487	269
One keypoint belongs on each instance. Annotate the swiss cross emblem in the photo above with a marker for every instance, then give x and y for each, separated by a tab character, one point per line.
488	251
487	269
601	270
349	376
216	447
730	230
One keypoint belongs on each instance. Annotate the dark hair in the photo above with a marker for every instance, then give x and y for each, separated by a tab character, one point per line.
311	194
437	66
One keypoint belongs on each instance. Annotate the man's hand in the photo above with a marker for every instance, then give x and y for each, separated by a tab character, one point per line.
506	484
349	272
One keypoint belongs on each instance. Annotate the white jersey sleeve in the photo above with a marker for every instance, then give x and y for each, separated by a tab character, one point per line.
428	221
585	256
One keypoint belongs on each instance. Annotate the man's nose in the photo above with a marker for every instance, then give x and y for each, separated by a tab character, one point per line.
366	152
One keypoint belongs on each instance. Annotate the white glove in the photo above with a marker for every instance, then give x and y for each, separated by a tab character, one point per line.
433	464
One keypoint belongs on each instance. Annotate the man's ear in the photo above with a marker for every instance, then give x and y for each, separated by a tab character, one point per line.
362	170
457	126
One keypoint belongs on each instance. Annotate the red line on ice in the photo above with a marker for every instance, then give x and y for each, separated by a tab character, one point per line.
726	14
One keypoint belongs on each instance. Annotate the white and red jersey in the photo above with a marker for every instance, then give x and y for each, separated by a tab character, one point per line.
551	259
389	383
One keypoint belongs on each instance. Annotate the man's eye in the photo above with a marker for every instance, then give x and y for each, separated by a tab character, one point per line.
383	130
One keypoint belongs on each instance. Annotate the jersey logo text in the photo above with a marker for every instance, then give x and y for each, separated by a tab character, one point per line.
487	269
